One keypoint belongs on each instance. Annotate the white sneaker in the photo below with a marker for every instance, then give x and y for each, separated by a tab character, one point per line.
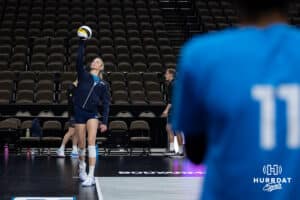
83	176
60	153
82	173
90	181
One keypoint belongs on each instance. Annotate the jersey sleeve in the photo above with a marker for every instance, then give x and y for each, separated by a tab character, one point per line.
189	113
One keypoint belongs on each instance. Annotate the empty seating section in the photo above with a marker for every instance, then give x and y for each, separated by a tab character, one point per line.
136	132
185	18
137	39
50	88
216	15
38	48
40	35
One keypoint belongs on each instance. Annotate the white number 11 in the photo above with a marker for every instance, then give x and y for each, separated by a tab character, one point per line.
266	95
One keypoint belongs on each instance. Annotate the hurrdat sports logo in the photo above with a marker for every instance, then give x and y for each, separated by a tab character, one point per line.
273	179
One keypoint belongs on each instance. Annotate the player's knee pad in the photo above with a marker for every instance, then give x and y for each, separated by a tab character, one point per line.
92	151
81	152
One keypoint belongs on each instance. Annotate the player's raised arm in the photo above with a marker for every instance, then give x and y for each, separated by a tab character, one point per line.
80	55
84	33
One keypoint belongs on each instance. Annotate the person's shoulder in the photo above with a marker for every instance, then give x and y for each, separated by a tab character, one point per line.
294	33
287	27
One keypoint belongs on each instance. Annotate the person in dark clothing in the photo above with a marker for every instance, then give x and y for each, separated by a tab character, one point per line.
170	78
90	91
71	129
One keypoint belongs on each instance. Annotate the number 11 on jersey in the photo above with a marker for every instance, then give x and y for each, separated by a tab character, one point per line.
266	95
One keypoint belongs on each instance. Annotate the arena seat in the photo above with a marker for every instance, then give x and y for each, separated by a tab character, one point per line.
27	140
118	134
52	134
139	135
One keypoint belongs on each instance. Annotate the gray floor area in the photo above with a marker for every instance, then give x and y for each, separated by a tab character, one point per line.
149	188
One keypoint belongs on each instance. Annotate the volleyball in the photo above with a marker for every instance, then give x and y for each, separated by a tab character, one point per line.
84	32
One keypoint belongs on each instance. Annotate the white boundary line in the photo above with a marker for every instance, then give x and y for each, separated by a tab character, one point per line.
99	192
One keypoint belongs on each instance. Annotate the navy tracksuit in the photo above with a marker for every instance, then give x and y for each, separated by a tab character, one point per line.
88	93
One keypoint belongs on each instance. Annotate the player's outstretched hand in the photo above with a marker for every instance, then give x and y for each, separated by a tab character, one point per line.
103	128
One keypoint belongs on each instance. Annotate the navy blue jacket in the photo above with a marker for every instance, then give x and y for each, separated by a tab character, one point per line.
88	95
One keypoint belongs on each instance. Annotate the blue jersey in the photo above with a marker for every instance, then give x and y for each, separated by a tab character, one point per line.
241	87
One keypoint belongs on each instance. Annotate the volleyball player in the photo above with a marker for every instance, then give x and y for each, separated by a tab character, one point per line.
170	78
90	91
237	99
71	129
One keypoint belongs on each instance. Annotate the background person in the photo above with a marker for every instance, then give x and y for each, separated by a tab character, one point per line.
170	79
71	130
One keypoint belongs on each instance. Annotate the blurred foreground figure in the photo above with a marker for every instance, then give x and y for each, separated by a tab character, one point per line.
237	99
